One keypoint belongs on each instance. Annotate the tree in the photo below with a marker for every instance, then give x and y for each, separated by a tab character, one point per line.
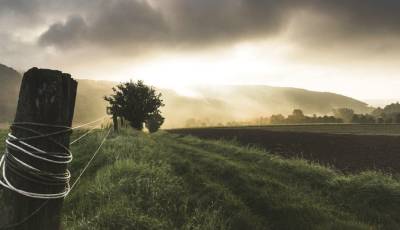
345	114
154	122
378	112
392	108
296	117
298	113
135	102
277	119
363	119
397	118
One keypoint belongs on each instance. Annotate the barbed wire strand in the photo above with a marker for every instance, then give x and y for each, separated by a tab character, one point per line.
83	135
91	159
66	129
89	123
78	178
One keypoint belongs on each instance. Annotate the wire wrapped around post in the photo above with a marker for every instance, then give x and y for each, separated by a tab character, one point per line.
26	161
30	173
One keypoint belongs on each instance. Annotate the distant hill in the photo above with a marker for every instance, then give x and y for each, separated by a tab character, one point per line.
218	103
9	86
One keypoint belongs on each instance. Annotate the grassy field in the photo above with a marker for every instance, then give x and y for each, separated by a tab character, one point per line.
164	181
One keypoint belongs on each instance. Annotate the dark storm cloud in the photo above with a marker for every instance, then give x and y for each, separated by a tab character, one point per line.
18	6
221	20
128	23
112	23
359	23
19	13
28	13
366	16
171	22
65	34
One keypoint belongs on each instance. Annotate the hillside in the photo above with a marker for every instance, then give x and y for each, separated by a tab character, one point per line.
218	104
162	181
9	86
222	103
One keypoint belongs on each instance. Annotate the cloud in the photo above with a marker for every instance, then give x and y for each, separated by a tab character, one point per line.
128	22
347	22
191	23
113	24
19	54
15	14
65	34
363	17
19	7
173	23
317	28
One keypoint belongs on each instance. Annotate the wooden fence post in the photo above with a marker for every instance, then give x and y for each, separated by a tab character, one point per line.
46	97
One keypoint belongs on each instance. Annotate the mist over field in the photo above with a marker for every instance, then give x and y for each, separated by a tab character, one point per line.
214	104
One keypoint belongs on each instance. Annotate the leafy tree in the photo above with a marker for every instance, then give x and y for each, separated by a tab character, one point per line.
389	114
392	108
135	102
298	113
297	117
345	114
378	112
363	119
397	118
154	122
277	119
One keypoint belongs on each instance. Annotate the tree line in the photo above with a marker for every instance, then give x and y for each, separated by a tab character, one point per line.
139	105
386	115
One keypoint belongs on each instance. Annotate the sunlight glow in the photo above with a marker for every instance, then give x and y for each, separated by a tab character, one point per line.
238	65
249	63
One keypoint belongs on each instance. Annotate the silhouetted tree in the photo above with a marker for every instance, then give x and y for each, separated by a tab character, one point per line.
363	119
389	114
345	114
397	118
378	112
277	119
154	122
135	102
297	117
392	108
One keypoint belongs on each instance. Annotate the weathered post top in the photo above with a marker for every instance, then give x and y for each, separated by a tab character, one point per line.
46	96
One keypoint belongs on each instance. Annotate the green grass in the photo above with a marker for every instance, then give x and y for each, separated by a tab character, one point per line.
163	181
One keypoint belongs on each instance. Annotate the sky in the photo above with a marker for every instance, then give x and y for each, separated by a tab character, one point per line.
349	47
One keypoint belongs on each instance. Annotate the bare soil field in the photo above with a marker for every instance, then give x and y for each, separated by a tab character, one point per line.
346	152
359	129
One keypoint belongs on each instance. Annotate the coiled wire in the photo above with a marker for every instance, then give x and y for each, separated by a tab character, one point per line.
18	149
15	160
9	160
